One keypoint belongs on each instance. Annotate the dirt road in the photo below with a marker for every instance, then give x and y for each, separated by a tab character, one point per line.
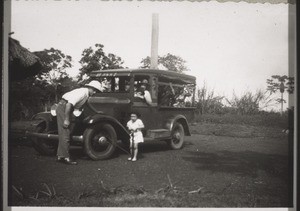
230	171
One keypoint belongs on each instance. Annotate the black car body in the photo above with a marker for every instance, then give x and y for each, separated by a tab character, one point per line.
102	123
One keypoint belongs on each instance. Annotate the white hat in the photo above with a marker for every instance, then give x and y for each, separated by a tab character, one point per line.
145	81
96	85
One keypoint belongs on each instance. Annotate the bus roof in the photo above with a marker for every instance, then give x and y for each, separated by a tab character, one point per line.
171	75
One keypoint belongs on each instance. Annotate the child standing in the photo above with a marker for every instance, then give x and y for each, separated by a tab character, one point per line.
135	126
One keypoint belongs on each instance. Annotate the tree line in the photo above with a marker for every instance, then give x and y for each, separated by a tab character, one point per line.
38	93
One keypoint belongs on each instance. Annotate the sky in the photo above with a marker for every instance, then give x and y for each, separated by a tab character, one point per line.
231	47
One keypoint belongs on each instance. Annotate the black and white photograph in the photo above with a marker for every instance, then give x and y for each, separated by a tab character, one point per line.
149	104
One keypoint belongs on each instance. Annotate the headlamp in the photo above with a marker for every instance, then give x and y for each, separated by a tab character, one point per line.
53	110
77	112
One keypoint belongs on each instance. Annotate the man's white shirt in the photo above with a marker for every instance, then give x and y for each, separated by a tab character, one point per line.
77	97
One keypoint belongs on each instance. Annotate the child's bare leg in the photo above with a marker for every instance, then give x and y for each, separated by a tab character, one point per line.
135	152
131	151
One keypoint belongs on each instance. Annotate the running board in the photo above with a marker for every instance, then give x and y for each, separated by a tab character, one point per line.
158	134
51	136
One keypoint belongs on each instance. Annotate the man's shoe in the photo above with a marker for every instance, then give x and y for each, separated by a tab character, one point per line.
60	159
69	161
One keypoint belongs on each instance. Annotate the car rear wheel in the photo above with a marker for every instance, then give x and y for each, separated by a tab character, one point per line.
100	141
177	136
44	146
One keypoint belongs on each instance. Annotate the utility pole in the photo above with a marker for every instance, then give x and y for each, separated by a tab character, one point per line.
281	88
154	42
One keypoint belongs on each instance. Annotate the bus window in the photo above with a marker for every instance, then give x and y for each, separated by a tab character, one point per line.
175	95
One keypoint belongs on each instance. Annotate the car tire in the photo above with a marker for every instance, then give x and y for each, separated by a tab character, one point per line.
44	146
100	141
177	136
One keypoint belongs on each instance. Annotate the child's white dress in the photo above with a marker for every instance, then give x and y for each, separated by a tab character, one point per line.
137	125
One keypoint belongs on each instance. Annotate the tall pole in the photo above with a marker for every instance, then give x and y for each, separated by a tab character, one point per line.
154	42
281	112
281	88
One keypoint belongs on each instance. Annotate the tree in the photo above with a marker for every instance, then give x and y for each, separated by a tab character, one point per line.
25	93
169	61
280	83
55	63
97	59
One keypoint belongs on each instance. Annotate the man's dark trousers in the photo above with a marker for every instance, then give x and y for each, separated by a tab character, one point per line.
63	133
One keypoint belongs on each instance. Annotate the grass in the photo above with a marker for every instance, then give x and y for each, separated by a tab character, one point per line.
128	196
131	198
262	119
202	198
21	195
241	126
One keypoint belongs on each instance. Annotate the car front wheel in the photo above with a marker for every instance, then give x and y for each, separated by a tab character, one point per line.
177	136
44	146
100	141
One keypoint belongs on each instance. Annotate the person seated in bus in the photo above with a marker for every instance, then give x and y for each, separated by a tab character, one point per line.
143	93
127	86
180	98
106	84
166	95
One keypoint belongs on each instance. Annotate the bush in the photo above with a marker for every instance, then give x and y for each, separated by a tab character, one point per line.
208	102
248	103
262	118
30	96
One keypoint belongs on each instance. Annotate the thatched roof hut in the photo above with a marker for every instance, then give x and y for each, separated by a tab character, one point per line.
22	63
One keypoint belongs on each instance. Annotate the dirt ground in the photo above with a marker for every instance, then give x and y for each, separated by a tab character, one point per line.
247	167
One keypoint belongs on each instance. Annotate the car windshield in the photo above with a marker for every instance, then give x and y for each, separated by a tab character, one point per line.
115	84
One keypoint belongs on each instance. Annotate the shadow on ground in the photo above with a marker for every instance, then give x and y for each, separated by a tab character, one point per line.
245	163
150	147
